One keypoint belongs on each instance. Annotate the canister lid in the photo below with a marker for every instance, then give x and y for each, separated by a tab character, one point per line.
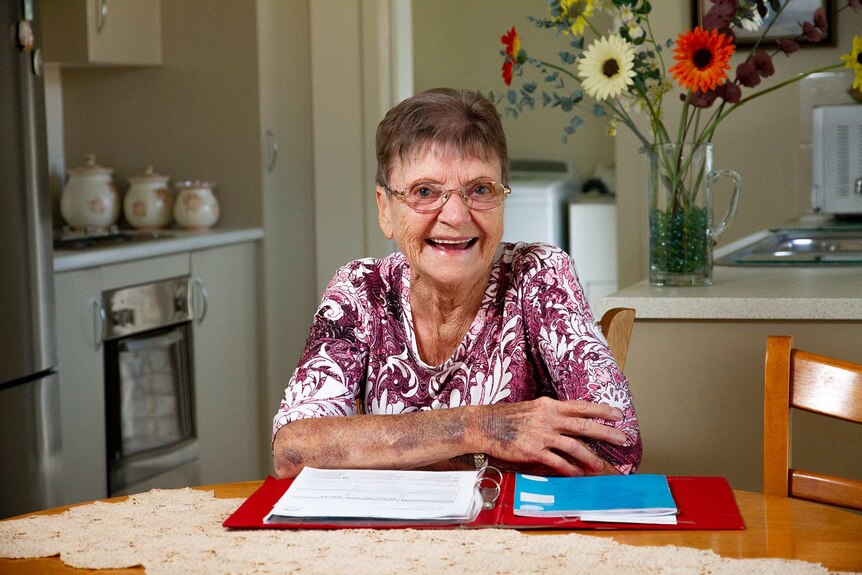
148	176
91	168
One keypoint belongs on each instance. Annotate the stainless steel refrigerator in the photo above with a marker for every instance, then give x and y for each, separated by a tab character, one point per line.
29	388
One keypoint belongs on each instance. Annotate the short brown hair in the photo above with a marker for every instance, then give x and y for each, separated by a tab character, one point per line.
462	121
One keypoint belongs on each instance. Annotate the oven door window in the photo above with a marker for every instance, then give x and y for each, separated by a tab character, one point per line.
154	391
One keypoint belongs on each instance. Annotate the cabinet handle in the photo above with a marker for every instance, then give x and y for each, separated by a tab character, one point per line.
202	288
272	150
101	14
100	323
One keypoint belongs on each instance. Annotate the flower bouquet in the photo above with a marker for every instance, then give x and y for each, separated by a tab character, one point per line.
624	73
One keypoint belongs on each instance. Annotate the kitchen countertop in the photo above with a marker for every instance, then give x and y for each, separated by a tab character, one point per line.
181	241
756	293
789	293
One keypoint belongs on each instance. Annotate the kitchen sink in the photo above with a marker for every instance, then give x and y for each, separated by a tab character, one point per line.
800	247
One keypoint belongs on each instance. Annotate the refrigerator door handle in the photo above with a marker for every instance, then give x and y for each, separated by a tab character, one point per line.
100	323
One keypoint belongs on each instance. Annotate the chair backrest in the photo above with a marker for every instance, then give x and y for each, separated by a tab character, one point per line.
796	379
617	324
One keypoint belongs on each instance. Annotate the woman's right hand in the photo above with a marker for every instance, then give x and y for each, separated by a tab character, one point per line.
548	432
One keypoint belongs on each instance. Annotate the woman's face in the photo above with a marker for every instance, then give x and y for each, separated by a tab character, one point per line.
455	245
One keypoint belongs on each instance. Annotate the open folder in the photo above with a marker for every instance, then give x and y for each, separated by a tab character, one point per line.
703	503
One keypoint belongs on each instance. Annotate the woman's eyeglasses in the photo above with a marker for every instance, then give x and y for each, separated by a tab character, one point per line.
430	197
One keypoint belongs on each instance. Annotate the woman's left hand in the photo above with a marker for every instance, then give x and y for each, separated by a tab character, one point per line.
550	433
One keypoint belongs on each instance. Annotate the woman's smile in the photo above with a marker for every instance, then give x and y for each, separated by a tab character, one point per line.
452	244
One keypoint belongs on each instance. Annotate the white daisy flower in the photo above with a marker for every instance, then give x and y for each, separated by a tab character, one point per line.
607	67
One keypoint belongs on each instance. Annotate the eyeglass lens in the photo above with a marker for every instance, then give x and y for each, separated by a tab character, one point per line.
478	195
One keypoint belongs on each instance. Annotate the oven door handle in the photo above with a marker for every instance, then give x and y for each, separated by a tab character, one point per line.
100	323
202	289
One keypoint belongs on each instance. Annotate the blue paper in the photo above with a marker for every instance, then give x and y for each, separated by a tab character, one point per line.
614	495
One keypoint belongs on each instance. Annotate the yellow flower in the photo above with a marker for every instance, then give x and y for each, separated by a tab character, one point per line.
854	62
607	67
574	14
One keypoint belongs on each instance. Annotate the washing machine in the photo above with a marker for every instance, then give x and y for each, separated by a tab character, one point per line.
547	205
536	210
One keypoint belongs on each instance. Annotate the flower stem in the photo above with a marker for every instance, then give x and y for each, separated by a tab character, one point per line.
707	133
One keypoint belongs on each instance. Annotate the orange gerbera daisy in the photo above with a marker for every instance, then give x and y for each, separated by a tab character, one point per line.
702	59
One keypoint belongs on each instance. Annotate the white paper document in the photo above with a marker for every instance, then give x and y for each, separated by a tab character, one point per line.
373	494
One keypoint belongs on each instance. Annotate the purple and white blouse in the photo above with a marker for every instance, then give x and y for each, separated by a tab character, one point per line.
534	335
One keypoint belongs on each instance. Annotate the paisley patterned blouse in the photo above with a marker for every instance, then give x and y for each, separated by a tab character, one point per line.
534	335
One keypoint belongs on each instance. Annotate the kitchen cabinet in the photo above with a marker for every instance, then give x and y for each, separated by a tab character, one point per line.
108	32
82	394
227	385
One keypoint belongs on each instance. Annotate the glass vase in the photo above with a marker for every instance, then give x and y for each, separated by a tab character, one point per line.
681	230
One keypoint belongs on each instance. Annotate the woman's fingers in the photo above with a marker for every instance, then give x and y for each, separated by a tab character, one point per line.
582	408
547	431
580	427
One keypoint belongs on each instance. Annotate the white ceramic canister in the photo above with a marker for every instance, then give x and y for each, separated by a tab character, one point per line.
196	207
148	204
90	197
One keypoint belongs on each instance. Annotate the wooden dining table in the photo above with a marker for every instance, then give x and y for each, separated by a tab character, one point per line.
775	527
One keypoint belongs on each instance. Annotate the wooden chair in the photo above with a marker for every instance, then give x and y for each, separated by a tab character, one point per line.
617	324
815	383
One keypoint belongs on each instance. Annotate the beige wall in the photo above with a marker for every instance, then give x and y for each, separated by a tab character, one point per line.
457	44
701	413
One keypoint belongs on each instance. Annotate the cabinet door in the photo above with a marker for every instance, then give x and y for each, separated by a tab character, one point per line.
126	32
82	392
227	387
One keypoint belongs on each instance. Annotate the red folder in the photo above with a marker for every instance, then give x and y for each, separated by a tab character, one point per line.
704	503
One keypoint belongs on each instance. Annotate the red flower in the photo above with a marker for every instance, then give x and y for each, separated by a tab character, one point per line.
787	46
720	16
729	92
820	20
507	72
514	54
512	42
702	59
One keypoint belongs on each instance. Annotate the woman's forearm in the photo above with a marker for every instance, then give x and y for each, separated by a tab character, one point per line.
542	431
406	441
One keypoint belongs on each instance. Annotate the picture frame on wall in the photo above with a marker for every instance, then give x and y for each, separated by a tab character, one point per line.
787	25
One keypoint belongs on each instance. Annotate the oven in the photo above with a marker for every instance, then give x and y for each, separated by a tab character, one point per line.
149	387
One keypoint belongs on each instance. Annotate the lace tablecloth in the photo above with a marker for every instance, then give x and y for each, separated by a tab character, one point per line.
179	531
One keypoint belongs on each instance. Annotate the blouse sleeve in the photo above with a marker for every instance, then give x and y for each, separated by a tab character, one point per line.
572	350
331	368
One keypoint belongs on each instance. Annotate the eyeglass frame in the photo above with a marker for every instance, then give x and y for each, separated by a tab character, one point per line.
446	193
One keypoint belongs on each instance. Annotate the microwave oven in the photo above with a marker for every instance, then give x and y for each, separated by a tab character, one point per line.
837	159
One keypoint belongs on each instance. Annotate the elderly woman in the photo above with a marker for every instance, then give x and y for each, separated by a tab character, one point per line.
460	348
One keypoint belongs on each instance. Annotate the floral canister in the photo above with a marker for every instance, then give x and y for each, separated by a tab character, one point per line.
90	197
196	207
148	204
